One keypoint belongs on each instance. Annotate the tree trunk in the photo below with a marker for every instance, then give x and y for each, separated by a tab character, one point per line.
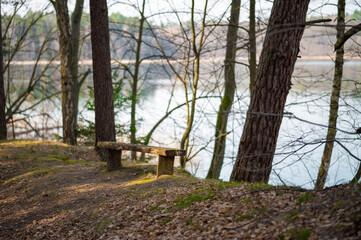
197	54
75	36
2	89
67	78
252	44
273	82
102	78
133	127
335	96
229	90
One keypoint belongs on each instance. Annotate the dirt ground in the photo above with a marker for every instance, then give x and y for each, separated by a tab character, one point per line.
53	191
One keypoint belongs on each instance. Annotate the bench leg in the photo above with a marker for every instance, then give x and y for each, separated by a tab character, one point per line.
114	160
165	166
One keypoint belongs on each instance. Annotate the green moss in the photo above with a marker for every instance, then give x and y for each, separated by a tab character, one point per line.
262	209
62	157
101	225
42	173
70	161
246	200
34	168
133	217
189	222
340	226
247	216
302	234
48	159
259	185
140	181
337	205
185	201
280	193
293	215
167	220
304	198
183	171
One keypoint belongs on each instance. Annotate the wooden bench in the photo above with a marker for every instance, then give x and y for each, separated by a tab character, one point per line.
165	159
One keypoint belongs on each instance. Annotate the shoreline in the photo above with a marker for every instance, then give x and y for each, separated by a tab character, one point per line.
162	61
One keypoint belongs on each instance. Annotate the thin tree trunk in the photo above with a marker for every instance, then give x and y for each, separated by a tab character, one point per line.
273	82
341	40
102	78
67	79
133	127
3	131
229	90
335	96
75	36
252	44
197	52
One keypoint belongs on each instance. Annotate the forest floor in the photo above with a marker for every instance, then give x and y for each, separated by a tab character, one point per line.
53	191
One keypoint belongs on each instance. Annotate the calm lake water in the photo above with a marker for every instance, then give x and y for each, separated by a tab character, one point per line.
299	148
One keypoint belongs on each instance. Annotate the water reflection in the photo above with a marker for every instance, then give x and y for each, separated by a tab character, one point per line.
299	150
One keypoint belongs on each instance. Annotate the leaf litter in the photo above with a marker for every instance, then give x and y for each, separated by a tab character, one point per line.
53	191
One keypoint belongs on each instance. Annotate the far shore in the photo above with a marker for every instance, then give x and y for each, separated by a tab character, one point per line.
173	61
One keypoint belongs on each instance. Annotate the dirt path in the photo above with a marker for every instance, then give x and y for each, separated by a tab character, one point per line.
53	191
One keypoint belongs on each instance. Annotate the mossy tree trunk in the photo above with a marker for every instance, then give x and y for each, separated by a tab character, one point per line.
335	96
67	78
69	50
229	90
273	82
75	40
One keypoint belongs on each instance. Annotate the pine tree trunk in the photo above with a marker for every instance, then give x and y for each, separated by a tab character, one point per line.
102	79
3	131
335	96
252	44
67	79
273	82
229	90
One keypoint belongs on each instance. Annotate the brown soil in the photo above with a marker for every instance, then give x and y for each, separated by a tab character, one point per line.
53	191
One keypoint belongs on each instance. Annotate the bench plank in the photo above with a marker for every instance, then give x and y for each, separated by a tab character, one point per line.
161	151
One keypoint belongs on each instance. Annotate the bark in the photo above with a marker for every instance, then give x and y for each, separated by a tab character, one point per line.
3	131
197	53
75	40
335	96
229	90
67	78
133	127
102	79
273	82
252	44
342	39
